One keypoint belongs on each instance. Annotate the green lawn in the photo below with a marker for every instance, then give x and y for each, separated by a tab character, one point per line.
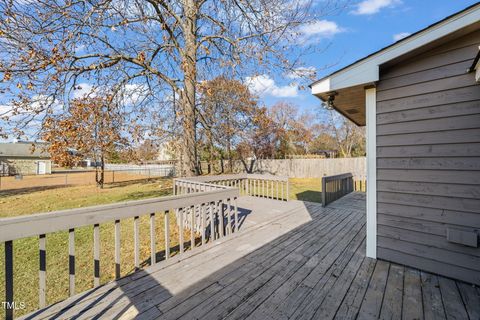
26	250
306	189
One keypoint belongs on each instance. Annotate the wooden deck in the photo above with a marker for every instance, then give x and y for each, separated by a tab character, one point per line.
291	261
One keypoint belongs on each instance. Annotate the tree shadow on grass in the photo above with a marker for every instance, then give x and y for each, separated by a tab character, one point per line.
22	191
309	195
147	194
143	181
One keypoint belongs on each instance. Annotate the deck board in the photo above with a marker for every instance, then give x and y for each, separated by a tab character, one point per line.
291	260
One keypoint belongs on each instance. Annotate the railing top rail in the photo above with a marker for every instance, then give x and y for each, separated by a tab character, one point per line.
188	180
267	177
206	179
337	177
42	223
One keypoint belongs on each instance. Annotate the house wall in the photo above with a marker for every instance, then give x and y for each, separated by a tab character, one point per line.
428	160
25	166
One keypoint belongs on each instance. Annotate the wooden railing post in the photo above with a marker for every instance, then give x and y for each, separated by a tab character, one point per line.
288	190
167	234
229	216
153	244
71	261
96	255
9	280
204	222
220	219
212	221
136	243
324	192
180	228
117	249
42	280
192	227
235	213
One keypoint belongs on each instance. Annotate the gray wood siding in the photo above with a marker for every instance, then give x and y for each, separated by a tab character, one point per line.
428	160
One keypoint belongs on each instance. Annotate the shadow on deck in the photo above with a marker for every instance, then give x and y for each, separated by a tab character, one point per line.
292	260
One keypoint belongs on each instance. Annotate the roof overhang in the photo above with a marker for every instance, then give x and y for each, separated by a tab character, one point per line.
366	72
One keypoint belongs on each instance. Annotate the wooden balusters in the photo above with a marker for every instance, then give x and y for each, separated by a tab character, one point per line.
71	261
167	234
180	228
235	213
229	216
136	243
204	222
212	221
153	244
288	191
96	255
220	219
192	227
42	279
117	249
9	280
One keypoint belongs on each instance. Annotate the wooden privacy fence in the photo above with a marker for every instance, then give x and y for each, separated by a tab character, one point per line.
210	205
335	187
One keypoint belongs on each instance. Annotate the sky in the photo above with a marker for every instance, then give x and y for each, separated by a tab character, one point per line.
363	28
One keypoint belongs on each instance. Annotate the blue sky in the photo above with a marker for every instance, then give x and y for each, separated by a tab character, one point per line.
365	27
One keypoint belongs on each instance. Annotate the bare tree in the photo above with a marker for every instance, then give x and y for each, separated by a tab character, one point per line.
154	50
349	138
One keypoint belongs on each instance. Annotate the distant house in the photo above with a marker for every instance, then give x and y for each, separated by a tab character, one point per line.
420	101
24	158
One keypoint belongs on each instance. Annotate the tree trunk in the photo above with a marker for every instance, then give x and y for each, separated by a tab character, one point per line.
229	154
100	175
189	59
210	150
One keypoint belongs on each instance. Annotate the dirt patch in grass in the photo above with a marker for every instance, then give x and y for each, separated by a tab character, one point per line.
68	179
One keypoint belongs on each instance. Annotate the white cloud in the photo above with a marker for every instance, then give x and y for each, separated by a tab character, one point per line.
368	7
81	90
302	72
263	85
401	35
134	94
318	30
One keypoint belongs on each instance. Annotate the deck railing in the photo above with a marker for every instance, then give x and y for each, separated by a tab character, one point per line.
256	185
209	206
335	187
267	186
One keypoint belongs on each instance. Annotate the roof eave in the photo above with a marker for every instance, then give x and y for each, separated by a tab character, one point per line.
366	70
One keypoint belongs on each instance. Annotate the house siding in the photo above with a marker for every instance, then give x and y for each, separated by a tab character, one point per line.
11	166
428	160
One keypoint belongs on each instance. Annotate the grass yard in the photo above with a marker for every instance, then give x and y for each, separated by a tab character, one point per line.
306	189
31	183
15	202
26	256
26	250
